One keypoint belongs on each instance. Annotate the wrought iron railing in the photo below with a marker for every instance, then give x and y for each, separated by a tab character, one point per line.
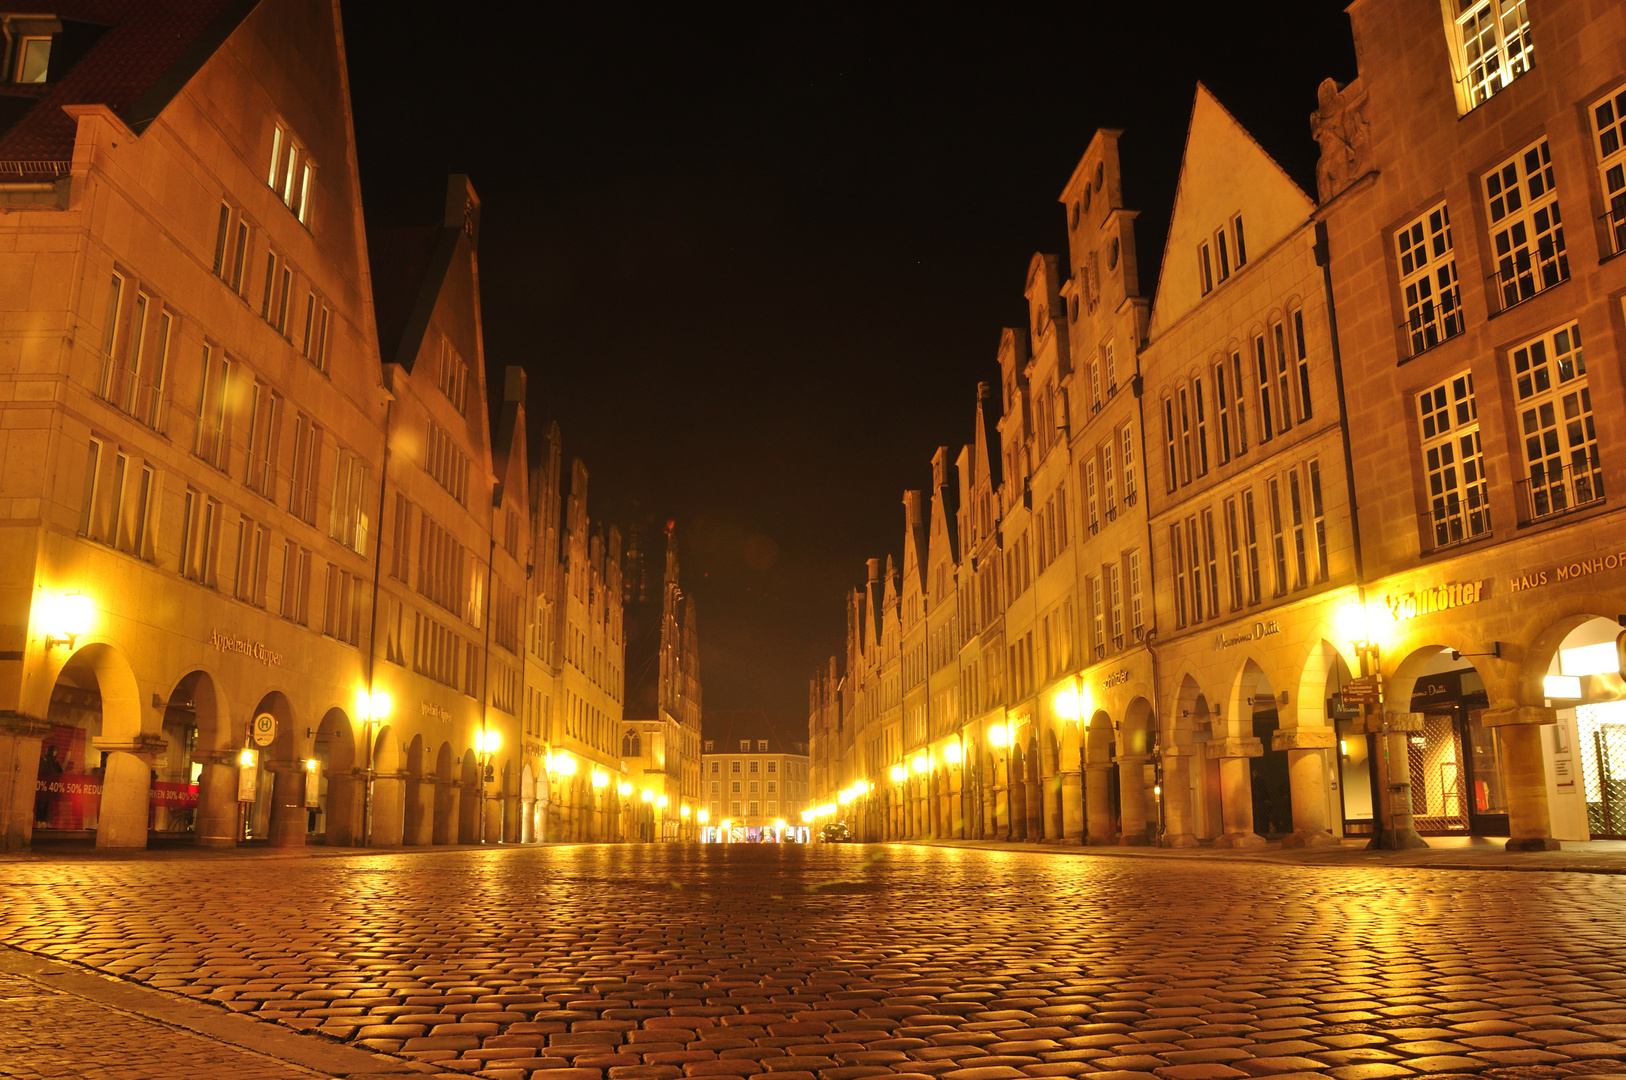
1547	492
1451	522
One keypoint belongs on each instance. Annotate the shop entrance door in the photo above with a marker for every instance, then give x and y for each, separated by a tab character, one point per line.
1602	730
1487	794
1268	774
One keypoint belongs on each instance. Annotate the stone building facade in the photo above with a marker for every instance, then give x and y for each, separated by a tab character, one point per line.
279	566
1340	564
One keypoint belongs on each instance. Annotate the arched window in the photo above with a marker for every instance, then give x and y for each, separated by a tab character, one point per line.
631	745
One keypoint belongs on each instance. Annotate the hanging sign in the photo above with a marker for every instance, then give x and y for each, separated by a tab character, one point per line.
264	729
1362	691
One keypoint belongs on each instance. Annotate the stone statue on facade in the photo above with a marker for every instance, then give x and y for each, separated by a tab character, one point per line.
1339	125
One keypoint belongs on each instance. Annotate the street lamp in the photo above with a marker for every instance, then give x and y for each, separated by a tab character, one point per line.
66	619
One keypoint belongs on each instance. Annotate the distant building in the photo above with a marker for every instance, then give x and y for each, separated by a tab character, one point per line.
753	776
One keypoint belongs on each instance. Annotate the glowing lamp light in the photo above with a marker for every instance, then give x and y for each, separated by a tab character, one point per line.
683	811
660	801
66	618
648	796
952	754
246	759
1562	687
999	735
310	765
898	774
1352	623
703	816
844	796
727	823
807	815
564	765
1068	703
600	779
1343	747
780	824
381	705
625	788
487	741
922	763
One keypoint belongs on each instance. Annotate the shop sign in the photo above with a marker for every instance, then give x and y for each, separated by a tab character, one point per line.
264	729
1362	691
1564	572
1427	601
1338	708
1258	630
434	711
1117	678
255	650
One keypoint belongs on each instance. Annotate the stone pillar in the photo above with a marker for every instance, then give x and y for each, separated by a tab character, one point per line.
420	811
1236	790
1072	807
512	820
466	830
1394	829
1016	794
389	809
288	815
343	811
1098	797
527	817
1307	778
1178	816
1528	815
20	740
217	800
1132	799
1036	803
126	790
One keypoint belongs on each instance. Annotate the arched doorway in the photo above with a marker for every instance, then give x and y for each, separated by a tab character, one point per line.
1452	762
420	795
1139	809
448	795
527	805
1269	783
337	817
1580	675
194	788
96	766
468	817
1100	782
389	791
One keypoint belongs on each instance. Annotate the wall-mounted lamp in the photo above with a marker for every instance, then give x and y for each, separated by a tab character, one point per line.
703	815
66	619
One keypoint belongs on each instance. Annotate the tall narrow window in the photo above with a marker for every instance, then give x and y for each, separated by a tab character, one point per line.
276	154
1126	439
1562	468
188	508
132	354
209	541
87	496
245	534
1239	396
310	324
1526	230
1112	368
1428	280
1262	365
1205	268
1100	617
1177	550
1222	412
105	387
1169	435
1295	499
1194	553
1115	592
1241	243
1090	494
143	512
283	297
1109	482
1201	408
270	286
1284	396
1453	461
239	259
1095	386
1137	605
1185	435
115	513
1223	251
1250	537
1278	539
321	341
1302	358
1609	133
1493	47
1211	561
209	441
305	194
222	239
1061	521
152	411
1319	519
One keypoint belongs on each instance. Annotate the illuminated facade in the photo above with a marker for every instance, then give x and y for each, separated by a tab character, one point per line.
751	781
272	574
1170	629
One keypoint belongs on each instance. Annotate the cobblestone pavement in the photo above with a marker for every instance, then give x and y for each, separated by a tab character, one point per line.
837	963
45	1033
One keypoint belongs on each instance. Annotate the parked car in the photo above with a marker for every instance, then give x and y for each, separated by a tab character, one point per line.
836	832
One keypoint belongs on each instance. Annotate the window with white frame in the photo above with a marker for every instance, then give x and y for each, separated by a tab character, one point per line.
1116	593
1527	233
1491	39
1092	498
1126	439
1100	618
1137	603
1609	139
292	174
1195	556
1318	519
1295	503
1278	540
1110	363
1177	552
1428	280
265	419
1554	404
1284	379
1453	462
1200	409
1169	453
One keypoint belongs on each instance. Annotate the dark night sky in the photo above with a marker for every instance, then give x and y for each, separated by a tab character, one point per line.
756	260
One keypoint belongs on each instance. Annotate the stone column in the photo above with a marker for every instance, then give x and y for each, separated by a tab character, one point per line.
1098	795
1177	831
288	815
1307	778
343	812
444	829
217	800
1072	807
1036	804
1236	790
20	740
512	820
389	809
493	810
1394	829
420	811
126	790
1528	815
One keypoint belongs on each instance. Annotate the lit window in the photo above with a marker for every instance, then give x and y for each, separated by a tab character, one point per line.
1428	280
1453	462
1526	229
1609	129
1492	38
33	59
1555	419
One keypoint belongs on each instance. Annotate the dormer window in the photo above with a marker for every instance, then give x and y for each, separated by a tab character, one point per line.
33	59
